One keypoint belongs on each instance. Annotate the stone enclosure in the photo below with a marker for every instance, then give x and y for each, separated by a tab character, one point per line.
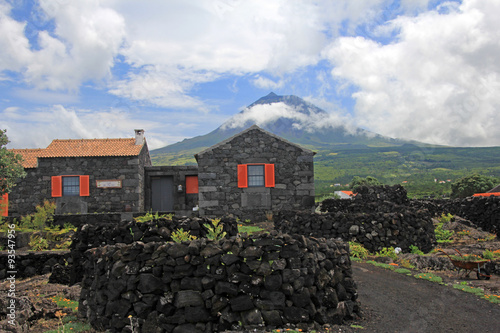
206	286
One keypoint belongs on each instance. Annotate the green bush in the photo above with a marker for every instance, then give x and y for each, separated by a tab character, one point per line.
442	235
180	235
215	230
358	250
38	243
415	250
387	252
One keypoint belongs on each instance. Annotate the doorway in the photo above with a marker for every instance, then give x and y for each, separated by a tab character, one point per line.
162	194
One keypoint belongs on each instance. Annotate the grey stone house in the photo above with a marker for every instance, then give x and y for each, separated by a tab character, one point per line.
248	175
88	175
254	173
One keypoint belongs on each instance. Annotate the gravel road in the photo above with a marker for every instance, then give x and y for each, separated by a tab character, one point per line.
393	302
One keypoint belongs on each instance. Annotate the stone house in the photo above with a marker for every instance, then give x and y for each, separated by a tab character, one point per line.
248	175
253	174
87	175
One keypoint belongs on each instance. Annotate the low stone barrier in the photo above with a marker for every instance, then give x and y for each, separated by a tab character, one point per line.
28	264
374	231
99	234
208	286
484	212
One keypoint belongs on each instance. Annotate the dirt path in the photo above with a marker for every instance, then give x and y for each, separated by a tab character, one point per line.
394	302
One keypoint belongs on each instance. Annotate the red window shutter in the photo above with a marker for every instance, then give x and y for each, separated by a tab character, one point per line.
242	176
84	186
269	175
4	205
191	184
56	186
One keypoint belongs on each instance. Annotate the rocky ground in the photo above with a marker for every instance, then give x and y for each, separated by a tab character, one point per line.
44	314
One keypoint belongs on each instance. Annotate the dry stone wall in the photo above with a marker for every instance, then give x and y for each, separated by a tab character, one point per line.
209	286
484	212
29	264
89	236
377	217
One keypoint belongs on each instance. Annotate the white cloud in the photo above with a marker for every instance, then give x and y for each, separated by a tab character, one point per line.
436	83
309	120
266	83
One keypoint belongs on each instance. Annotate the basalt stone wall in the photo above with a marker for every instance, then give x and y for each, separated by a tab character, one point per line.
484	212
210	286
377	217
374	230
89	236
28	264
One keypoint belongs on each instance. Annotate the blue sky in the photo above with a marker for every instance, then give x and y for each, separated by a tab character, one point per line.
415	69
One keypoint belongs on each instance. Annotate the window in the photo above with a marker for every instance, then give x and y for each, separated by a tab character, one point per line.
70	186
255	175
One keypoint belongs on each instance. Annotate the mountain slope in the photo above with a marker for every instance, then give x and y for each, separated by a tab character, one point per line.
291	118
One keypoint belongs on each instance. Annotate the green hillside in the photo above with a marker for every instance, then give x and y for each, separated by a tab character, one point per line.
417	166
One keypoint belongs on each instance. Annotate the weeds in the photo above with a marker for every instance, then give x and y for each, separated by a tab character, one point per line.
415	250
180	236
387	252
358	250
215	230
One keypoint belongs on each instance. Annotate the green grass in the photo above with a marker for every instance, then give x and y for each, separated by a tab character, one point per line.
403	271
248	229
429	276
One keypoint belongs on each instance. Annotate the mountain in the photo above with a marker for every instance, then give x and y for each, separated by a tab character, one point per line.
291	118
344	151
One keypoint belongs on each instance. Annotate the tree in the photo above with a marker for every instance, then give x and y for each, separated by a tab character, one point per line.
467	186
11	168
368	181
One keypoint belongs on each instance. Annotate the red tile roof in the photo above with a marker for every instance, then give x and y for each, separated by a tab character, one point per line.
489	194
80	148
29	156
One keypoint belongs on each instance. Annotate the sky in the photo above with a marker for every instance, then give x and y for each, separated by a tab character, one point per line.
424	70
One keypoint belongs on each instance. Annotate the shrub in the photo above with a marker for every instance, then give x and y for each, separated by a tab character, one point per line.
38	243
415	250
215	230
180	235
387	252
149	216
442	235
358	250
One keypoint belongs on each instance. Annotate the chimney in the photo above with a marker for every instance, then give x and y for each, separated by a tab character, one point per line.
139	137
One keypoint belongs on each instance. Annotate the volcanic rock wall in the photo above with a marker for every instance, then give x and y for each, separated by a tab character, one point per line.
484	212
94	235
377	217
206	286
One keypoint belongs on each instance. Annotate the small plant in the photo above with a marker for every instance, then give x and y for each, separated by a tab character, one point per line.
491	255
495	299
442	235
248	221
415	250
405	263
469	289
387	252
215	230
429	277
149	216
358	250
445	218
38	243
403	271
463	233
60	315
180	236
